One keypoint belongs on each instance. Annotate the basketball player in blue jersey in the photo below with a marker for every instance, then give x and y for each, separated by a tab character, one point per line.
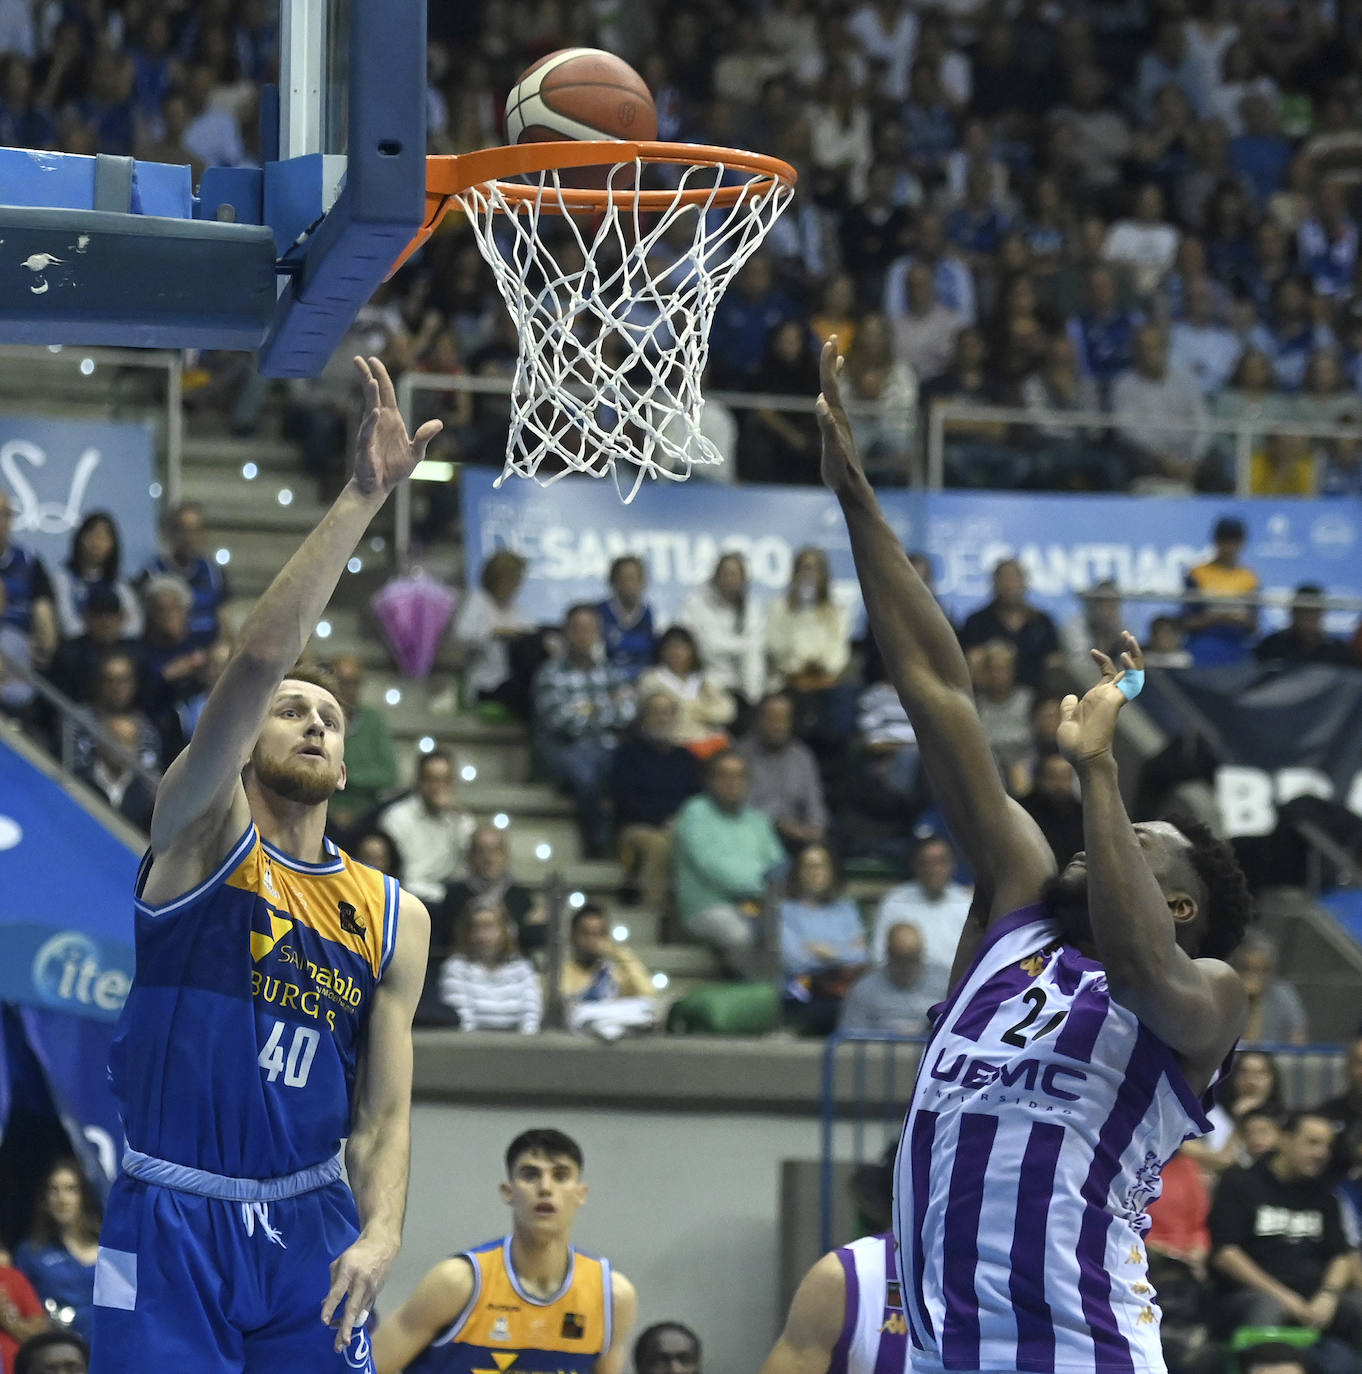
270	1016
1090	1012
528	1303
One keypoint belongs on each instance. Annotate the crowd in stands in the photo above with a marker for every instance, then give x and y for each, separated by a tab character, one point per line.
1147	210
738	758
1103	214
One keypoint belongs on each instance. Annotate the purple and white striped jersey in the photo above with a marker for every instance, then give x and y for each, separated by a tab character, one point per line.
874	1337
1042	1116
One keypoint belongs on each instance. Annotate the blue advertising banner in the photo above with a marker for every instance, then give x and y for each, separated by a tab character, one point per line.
1146	544
73	1053
66	926
65	899
569	533
58	471
572	530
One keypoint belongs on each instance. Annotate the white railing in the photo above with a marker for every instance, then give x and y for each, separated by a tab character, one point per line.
412	382
88	363
1244	431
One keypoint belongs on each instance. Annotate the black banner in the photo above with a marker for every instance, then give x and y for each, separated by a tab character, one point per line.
1278	732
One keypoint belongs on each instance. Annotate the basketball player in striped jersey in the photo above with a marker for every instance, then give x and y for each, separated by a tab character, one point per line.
847	1315
528	1303
1089	1013
270	1016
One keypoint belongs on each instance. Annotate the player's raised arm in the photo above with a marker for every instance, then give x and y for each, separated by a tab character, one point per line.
1004	846
202	790
1136	878
814	1323
439	1300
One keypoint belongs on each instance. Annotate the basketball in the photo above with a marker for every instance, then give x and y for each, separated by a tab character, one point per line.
580	93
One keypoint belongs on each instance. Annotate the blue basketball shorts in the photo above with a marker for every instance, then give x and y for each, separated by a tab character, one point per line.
197	1285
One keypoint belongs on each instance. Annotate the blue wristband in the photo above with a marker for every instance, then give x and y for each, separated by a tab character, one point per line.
1132	683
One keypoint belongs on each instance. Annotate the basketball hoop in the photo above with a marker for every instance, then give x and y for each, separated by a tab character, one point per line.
612	288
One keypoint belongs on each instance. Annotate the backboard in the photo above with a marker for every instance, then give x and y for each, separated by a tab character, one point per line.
276	257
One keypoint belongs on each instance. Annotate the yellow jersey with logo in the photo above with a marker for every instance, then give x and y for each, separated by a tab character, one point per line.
1217	644
239	1043
506	1330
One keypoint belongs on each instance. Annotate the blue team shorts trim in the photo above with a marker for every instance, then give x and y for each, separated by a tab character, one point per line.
224	1187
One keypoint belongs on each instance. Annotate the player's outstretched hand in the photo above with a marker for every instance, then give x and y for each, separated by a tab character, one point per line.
840	463
384	453
1087	727
356	1277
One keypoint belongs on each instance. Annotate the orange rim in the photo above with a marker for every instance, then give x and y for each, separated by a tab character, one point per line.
451	176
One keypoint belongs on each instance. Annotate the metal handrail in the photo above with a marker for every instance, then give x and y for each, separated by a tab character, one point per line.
1243	429
1322	843
75	717
411	382
555	900
1272	601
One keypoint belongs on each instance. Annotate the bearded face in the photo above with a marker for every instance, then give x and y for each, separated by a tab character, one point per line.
307	779
299	754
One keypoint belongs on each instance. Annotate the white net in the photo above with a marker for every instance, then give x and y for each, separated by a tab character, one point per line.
613	309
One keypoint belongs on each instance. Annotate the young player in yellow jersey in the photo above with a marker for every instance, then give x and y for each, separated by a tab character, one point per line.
528	1303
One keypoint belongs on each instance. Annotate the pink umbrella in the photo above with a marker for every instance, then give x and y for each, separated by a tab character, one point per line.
413	612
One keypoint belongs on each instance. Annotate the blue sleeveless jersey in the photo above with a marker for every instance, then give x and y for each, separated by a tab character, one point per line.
237	1048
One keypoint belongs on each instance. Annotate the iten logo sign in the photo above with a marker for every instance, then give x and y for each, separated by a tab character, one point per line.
67	968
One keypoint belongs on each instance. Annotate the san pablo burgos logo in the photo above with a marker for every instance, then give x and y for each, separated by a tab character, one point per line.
67	968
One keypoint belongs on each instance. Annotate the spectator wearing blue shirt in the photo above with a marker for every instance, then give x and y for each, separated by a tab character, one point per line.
182	535
213	135
822	941
155	69
582	704
1190	266
1326	243
108	105
29	607
1327	398
750	309
170	661
23	123
1229	231
1271	264
1048	226
1291	334
1350	343
1261	154
1171	61
928	123
627	619
1103	333
950	272
977	227
94	561
1219	626
1199	344
58	1255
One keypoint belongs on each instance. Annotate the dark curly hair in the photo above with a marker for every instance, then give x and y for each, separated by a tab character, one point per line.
1229	901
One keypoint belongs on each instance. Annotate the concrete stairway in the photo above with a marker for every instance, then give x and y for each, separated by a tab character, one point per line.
258	508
